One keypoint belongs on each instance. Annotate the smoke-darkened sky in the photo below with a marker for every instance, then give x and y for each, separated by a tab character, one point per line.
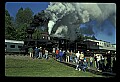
106	31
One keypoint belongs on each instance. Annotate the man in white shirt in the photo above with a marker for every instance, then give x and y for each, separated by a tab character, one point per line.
77	59
46	53
98	60
53	52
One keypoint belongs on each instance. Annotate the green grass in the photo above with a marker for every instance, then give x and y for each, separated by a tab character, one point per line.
24	66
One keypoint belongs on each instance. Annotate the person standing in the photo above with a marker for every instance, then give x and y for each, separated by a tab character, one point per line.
46	54
30	51
40	52
81	56
57	54
60	55
95	60
98	61
67	56
77	60
71	56
36	52
109	61
102	63
64	55
53	53
114	65
43	52
91	61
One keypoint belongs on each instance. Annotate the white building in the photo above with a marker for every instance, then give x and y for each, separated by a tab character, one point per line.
114	45
104	45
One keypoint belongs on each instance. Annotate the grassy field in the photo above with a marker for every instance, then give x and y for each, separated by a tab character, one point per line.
24	66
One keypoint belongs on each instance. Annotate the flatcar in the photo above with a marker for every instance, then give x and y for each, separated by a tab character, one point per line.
13	46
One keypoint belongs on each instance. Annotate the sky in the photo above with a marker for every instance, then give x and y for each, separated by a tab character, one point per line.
36	7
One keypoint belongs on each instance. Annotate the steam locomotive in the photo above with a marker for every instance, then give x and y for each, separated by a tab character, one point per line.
49	42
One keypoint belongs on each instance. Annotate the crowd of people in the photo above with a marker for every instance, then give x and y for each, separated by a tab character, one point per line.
38	53
95	60
70	56
82	63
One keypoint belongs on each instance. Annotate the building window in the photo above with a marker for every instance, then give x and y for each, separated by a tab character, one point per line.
112	46
19	46
97	43
12	46
104	44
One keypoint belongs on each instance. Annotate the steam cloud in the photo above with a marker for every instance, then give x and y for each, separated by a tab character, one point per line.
67	17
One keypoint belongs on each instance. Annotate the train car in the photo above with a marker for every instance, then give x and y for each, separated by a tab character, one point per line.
13	46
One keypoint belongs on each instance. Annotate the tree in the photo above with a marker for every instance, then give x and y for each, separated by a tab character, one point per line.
10	31
23	19
19	17
24	16
37	34
28	16
21	32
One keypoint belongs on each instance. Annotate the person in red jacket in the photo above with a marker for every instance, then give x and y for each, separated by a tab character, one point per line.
57	53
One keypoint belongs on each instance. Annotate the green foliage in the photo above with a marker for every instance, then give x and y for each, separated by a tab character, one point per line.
10	31
21	31
37	34
24	16
16	28
19	16
22	22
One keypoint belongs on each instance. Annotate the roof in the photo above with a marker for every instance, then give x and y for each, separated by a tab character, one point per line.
14	41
